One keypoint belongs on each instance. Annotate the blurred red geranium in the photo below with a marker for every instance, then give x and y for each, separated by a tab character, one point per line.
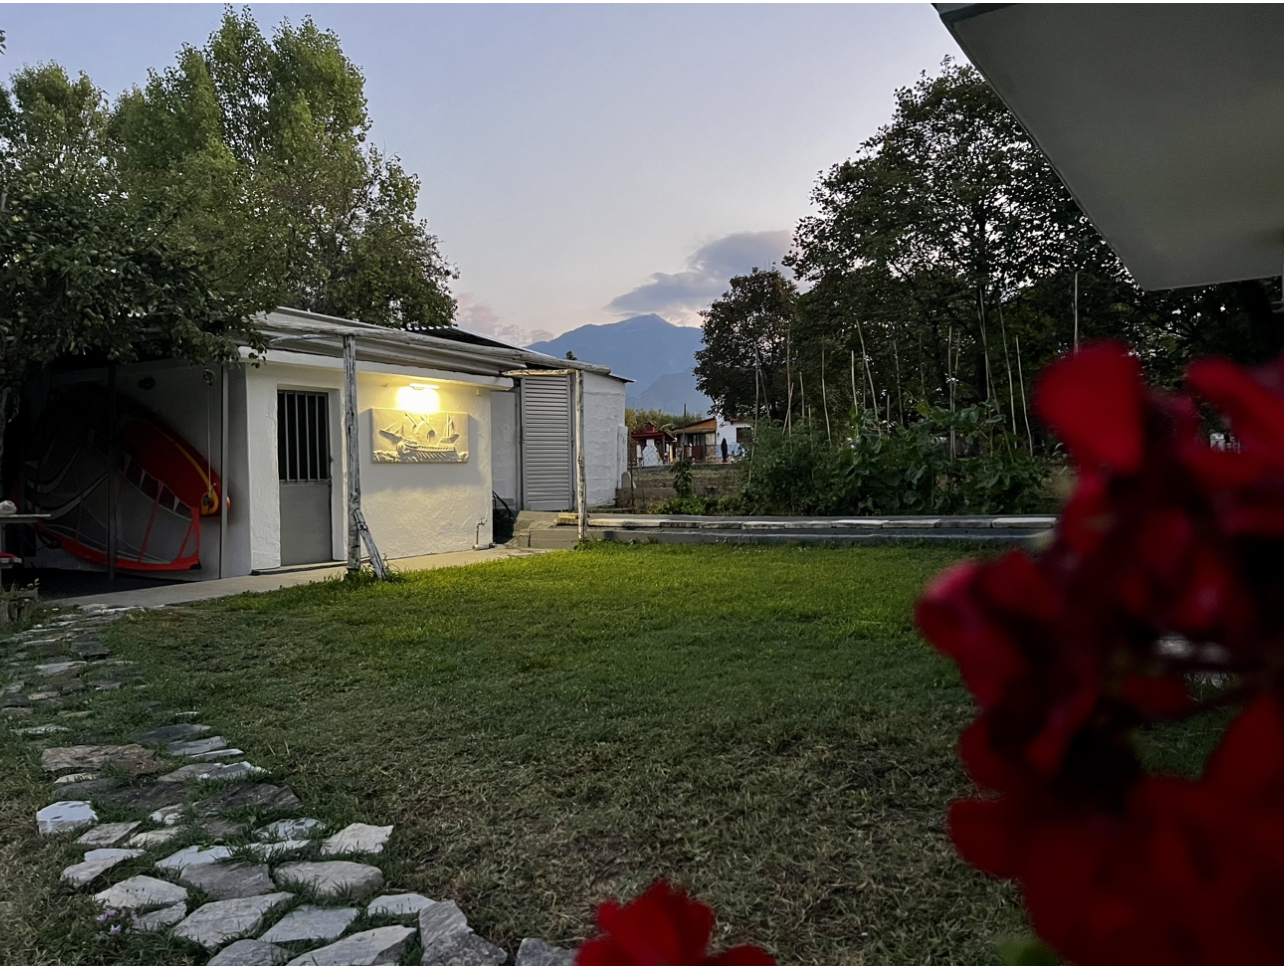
1166	562
661	927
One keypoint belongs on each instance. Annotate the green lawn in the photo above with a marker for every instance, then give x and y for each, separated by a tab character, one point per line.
760	724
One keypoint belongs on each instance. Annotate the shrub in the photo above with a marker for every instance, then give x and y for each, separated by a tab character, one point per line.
879	469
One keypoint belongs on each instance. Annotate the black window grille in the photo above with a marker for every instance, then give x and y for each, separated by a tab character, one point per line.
302	436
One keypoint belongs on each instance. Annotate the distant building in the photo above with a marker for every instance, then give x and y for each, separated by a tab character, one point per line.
651	447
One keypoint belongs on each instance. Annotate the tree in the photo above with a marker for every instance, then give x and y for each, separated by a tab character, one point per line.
744	366
84	269
255	151
947	263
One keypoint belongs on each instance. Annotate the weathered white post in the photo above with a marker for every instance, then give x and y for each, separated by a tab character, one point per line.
581	486
352	450
358	529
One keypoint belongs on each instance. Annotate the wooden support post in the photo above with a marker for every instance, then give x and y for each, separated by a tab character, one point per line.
358	529
222	469
581	484
112	488
352	451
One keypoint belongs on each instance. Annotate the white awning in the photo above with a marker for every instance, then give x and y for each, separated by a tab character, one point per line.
1165	121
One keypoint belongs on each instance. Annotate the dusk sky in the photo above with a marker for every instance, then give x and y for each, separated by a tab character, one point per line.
580	164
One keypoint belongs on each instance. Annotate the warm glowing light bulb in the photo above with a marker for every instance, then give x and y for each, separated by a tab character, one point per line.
418	398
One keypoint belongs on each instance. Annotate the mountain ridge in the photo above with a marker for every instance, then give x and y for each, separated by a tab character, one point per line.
658	355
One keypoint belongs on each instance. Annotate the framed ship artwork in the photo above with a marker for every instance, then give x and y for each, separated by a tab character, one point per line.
403	437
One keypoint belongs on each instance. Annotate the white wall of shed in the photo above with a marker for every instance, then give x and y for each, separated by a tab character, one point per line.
605	438
412	508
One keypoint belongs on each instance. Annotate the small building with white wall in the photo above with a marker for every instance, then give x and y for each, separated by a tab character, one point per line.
207	471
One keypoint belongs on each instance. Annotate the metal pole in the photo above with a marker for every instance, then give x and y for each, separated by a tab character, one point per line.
581	486
111	471
222	468
352	451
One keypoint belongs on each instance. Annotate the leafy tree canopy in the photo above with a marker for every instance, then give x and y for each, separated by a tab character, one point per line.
742	366
85	270
943	268
256	149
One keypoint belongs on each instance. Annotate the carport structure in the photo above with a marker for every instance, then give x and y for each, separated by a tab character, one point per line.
1163	120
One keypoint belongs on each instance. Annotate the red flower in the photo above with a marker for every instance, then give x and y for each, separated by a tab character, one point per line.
662	927
1066	654
1094	400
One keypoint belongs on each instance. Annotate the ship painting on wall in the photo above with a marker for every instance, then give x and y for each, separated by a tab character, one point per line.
402	437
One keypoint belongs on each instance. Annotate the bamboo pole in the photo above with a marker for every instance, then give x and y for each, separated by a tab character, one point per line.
900	398
950	380
1003	330
789	390
873	394
824	397
1024	409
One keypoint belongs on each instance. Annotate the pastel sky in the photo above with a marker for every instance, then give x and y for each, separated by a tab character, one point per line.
580	163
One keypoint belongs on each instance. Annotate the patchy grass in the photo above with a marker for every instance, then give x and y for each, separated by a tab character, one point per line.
760	724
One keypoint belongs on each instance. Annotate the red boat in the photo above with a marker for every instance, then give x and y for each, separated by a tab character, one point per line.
162	485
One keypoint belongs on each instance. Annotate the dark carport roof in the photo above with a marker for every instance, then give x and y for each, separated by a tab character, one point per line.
1165	121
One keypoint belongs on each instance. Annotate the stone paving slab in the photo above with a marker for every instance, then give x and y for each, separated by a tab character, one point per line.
154	837
311	924
228	881
220	829
403	904
105	836
273	851
131	759
463	949
332	880
375	947
216	755
216	923
194	855
148	797
440	921
171	733
96	862
250	952
189	773
357	838
169	815
266	797
536	952
38	730
78	776
288	829
198	746
161	918
141	892
65	817
85	789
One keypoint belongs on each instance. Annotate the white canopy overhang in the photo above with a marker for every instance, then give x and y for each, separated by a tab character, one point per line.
1165	121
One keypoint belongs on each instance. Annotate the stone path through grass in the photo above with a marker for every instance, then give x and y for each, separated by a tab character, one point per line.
186	841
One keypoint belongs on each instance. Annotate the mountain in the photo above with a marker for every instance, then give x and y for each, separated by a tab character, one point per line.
671	392
642	348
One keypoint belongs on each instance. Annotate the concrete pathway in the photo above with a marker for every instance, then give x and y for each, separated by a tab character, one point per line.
186	593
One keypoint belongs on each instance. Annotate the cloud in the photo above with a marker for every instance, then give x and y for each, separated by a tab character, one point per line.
680	296
474	316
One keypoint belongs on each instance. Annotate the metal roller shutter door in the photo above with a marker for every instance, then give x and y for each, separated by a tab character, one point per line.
547	443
